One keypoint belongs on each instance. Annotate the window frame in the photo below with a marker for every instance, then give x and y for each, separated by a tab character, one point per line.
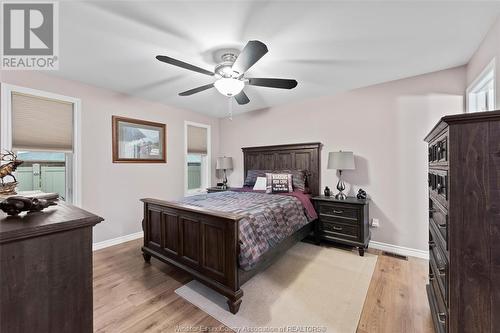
208	158
74	191
479	82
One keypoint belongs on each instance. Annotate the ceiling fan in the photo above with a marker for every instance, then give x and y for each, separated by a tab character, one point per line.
229	73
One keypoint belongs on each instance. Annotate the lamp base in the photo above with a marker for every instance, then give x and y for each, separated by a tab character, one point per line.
340	187
340	196
224	186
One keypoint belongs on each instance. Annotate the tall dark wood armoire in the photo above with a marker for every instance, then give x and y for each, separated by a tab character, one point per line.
464	223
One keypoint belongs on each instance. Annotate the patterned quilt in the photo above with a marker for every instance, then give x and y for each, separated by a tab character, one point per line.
269	218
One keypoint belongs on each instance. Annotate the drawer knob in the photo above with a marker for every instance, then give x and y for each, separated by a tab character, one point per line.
442	317
432	243
337	228
338	211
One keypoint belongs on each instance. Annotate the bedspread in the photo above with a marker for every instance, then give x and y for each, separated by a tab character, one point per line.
268	219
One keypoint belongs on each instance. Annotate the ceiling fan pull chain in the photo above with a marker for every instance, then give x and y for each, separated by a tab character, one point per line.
229	99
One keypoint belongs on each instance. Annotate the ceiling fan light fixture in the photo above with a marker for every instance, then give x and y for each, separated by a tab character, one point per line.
229	86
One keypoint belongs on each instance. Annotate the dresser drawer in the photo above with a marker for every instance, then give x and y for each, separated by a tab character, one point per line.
438	310
438	186
339	211
438	267
439	217
340	230
438	150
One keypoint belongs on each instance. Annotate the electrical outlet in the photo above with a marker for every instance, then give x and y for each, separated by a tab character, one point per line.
375	223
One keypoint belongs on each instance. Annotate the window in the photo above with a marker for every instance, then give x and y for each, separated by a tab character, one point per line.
43	171
481	93
197	158
42	129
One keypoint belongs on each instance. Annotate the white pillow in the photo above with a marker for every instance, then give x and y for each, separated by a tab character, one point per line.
260	184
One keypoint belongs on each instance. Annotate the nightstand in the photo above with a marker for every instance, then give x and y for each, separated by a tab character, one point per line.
343	221
217	189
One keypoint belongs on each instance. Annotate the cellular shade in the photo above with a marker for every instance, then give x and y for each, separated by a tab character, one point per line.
41	124
224	163
196	140
341	160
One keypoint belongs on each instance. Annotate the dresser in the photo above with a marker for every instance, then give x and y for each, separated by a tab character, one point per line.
464	223
46	271
343	221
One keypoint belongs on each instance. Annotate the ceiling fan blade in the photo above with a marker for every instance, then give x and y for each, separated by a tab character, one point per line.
273	83
196	90
242	98
183	64
251	53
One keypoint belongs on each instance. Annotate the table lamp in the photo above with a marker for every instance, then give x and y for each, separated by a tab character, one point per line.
341	160
224	163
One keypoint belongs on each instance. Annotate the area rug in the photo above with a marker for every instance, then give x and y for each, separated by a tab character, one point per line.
315	289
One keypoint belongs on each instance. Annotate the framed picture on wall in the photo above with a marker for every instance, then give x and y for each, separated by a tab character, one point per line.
138	141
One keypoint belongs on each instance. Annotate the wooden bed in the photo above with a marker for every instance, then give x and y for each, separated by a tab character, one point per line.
205	243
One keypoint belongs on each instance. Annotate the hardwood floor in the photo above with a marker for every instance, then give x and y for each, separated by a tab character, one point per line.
132	296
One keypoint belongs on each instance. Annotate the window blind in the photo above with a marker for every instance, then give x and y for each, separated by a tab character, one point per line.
41	124
196	140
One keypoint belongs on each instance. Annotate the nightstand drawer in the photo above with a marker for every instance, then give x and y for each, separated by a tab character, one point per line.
341	211
337	219
340	230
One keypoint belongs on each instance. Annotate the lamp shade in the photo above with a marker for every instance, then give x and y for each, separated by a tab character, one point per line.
224	163
341	160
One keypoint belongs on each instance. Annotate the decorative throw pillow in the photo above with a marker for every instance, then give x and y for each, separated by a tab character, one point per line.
252	175
279	183
298	178
260	184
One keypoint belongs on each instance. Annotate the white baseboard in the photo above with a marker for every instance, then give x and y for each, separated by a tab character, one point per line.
116	241
405	251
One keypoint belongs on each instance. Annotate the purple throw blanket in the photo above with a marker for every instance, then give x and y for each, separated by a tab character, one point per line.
268	218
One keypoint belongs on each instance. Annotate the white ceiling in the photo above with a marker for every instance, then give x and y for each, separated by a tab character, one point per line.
328	46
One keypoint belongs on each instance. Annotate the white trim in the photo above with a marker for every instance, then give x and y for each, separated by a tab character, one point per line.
491	66
6	129
209	158
116	241
401	250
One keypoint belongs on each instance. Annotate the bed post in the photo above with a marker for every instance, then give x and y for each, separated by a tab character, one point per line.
235	302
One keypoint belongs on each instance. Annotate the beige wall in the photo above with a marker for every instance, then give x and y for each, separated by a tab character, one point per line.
384	125
113	190
489	49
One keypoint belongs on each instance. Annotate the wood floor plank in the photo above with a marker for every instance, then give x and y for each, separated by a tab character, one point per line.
132	296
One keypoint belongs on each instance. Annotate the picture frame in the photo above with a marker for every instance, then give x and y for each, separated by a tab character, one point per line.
138	141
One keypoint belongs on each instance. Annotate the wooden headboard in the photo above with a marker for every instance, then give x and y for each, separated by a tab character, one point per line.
300	156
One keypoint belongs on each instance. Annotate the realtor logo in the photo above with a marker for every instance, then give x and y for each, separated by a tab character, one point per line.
30	35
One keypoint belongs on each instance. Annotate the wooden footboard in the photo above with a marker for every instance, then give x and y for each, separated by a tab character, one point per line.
203	243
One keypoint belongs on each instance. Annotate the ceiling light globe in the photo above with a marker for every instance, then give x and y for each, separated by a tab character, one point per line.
229	86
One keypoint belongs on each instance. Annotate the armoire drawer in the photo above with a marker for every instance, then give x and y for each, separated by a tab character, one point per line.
439	266
438	186
438	150
438	217
438	310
